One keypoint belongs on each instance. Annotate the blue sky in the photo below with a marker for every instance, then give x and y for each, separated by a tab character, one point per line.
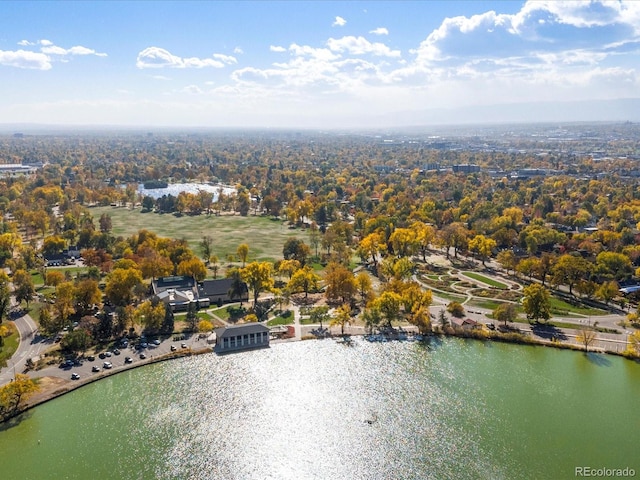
308	64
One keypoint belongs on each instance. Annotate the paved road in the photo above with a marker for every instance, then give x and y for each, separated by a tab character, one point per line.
31	345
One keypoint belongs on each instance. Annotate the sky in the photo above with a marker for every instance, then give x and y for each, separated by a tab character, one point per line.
322	64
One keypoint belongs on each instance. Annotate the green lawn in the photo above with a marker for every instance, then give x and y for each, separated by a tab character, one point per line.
265	236
181	317
560	307
280	320
486	280
450	296
10	344
489	304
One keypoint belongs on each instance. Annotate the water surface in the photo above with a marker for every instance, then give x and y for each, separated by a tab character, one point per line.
321	410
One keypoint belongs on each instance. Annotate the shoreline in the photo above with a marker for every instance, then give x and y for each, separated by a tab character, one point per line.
57	389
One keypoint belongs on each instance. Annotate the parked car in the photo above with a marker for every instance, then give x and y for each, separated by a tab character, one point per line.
75	376
107	365
173	348
128	360
107	354
156	342
91	358
95	368
67	364
184	345
116	352
143	356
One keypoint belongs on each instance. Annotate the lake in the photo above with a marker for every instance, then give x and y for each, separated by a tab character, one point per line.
448	409
193	188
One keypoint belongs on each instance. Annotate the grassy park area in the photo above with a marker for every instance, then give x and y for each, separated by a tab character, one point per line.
9	343
486	280
265	236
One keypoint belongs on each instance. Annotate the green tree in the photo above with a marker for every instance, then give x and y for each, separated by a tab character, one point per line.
169	321
192	316
5	298
24	289
536	302
319	315
206	245
296	249
77	341
238	287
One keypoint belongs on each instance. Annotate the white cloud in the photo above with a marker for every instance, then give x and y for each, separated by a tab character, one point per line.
45	43
238	51
228	59
379	31
276	48
339	22
360	46
156	57
192	90
25	59
25	43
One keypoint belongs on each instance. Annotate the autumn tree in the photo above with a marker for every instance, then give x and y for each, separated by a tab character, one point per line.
607	291
64	303
150	314
193	267
258	277
507	260
288	267
388	303
569	269
505	312
587	337
53	278
483	246
120	284
456	309
13	394
342	317
296	249
243	253
305	280
341	285
363	285
536	302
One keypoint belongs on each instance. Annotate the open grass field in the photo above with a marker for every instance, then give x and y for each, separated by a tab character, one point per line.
264	236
